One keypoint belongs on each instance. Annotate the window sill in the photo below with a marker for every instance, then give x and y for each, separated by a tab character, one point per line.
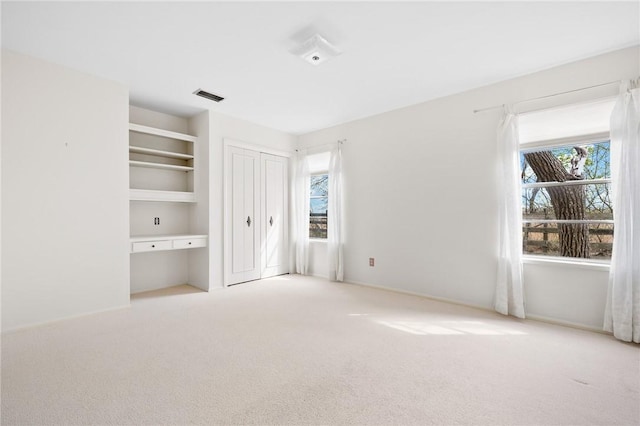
318	240
599	265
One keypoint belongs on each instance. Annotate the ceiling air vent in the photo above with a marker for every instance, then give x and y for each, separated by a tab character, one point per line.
208	95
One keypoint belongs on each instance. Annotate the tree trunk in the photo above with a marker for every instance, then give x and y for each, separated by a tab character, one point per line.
568	202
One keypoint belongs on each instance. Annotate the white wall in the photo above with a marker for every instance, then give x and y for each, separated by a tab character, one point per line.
420	194
318	259
572	295
199	264
224	127
65	208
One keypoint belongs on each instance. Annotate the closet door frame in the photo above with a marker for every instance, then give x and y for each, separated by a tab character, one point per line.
227	143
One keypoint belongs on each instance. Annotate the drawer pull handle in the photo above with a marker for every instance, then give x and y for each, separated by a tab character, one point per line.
271	220
189	242
153	245
248	220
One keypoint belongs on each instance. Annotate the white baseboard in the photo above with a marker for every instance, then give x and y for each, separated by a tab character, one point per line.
555	321
326	277
532	317
426	296
40	324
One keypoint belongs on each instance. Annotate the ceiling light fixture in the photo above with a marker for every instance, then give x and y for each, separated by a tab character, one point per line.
316	50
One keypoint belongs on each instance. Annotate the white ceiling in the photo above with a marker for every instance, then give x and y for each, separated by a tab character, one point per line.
394	54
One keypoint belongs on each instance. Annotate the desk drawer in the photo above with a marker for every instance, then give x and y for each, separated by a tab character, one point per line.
189	243
150	246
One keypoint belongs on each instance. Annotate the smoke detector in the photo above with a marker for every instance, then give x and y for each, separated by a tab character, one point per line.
316	50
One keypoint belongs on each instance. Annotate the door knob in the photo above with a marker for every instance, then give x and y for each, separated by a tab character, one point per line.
248	221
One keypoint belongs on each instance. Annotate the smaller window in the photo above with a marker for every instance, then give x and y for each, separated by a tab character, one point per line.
319	202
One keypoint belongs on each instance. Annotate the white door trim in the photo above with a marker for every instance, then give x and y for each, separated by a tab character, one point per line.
256	147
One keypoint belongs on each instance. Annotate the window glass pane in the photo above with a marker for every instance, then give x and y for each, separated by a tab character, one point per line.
318	226
594	202
319	185
319	203
592	161
544	238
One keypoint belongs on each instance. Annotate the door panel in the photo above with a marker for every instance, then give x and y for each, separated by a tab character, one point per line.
273	200
242	224
252	205
237	215
275	236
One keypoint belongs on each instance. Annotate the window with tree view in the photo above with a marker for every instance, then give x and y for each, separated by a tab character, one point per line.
566	205
319	205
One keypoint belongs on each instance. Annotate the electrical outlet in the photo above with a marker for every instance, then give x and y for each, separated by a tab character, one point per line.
372	261
156	221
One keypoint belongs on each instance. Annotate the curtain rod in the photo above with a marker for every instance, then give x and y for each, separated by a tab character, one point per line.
339	142
475	111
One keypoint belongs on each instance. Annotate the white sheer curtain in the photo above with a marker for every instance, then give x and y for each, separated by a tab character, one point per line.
335	235
302	194
622	314
509	298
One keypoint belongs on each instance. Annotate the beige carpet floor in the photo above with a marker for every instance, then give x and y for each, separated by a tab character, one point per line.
296	350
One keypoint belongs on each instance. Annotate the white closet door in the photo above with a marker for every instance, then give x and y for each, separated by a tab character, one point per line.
242	248
275	236
252	211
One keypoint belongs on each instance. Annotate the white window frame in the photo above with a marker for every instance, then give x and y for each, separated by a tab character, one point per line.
587	139
322	173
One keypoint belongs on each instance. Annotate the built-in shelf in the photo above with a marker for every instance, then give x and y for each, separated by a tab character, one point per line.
166	196
163	178
148	243
160	153
160	166
160	132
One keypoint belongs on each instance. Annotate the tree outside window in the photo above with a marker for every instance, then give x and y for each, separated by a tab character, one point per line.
566	206
319	204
